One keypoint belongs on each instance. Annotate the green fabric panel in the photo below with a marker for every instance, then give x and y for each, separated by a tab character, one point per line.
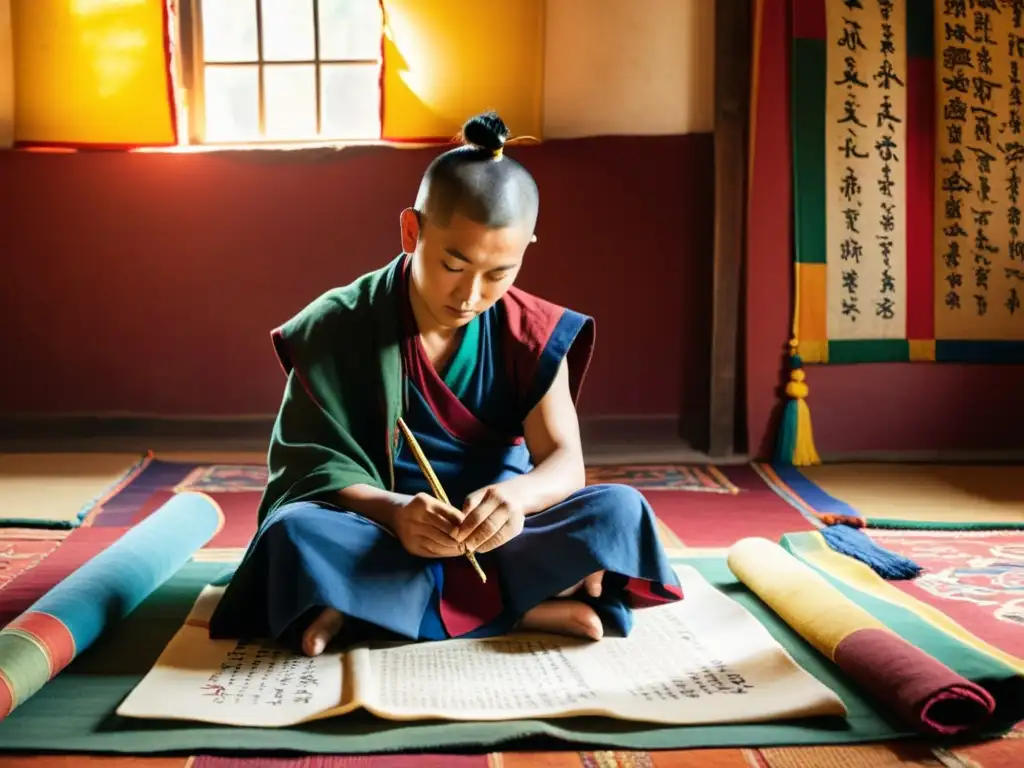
35	522
925	525
343	394
808	117
463	362
1001	680
24	663
75	711
869	351
920	29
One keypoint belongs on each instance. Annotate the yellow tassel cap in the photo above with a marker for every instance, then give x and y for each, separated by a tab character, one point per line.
805	454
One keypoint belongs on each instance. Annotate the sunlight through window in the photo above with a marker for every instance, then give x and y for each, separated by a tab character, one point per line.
285	70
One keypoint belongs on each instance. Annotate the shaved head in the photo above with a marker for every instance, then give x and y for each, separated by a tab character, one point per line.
479	182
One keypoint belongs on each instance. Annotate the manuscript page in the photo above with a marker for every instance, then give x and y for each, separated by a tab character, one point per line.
702	660
236	683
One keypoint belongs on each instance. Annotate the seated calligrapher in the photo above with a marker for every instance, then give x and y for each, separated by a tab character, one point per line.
486	378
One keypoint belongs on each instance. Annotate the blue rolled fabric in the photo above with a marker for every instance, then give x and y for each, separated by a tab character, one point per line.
69	618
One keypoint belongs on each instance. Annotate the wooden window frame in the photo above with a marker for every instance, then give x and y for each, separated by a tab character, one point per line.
192	67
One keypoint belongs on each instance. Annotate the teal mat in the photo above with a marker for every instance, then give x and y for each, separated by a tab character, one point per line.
75	711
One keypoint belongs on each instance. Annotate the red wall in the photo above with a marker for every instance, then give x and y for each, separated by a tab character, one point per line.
876	408
148	283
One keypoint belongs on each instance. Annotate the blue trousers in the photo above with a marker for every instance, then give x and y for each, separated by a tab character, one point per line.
308	556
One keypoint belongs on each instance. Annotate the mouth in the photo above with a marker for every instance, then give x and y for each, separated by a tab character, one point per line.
459	313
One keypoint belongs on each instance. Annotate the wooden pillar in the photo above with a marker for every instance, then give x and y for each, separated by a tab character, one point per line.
733	55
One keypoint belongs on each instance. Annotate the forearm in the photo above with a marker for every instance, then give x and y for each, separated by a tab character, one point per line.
373	503
552	480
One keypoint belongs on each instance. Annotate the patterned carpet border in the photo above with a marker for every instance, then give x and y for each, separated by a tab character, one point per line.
702	478
1003	753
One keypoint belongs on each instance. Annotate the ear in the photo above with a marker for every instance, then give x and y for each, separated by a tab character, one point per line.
410	224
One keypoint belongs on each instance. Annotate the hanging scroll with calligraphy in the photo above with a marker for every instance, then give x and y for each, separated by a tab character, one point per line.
907	118
979	272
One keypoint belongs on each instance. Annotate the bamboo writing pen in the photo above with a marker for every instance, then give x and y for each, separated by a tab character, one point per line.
435	484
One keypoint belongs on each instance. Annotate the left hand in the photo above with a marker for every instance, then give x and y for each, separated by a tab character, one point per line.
492	518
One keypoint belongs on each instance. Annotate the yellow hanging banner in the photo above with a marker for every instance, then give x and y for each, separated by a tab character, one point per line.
447	60
93	73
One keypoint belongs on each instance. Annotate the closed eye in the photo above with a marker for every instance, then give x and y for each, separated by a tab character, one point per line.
448	268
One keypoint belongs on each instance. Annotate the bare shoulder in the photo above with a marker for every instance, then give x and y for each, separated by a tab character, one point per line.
553	423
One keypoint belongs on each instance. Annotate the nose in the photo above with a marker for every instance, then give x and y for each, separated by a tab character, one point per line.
469	291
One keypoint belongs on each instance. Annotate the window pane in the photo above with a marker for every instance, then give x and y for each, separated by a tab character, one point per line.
350	29
290	101
351	101
288	33
229	30
232	97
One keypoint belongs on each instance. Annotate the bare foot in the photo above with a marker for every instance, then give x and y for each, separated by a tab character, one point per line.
321	631
564	617
592	584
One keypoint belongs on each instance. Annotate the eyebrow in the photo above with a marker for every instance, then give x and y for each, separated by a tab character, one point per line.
457	254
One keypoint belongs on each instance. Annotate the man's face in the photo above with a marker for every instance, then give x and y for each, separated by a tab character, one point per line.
461	269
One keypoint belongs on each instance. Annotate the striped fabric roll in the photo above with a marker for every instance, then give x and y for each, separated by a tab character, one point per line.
69	618
908	682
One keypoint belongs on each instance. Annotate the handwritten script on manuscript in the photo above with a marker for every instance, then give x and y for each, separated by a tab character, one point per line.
702	660
980	272
866	107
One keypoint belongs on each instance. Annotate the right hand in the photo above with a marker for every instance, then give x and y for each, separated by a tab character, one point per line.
425	525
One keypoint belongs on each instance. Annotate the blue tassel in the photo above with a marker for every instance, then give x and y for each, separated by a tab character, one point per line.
858	545
785	445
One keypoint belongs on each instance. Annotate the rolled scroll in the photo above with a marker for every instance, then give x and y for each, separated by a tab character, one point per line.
69	618
911	684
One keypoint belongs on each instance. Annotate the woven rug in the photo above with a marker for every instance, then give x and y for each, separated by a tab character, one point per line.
33	561
236	488
74	712
58	490
974	577
928	496
747	504
664	477
697	505
995	754
84	543
22	549
46	564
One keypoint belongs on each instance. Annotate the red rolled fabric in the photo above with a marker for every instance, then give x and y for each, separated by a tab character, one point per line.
915	686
